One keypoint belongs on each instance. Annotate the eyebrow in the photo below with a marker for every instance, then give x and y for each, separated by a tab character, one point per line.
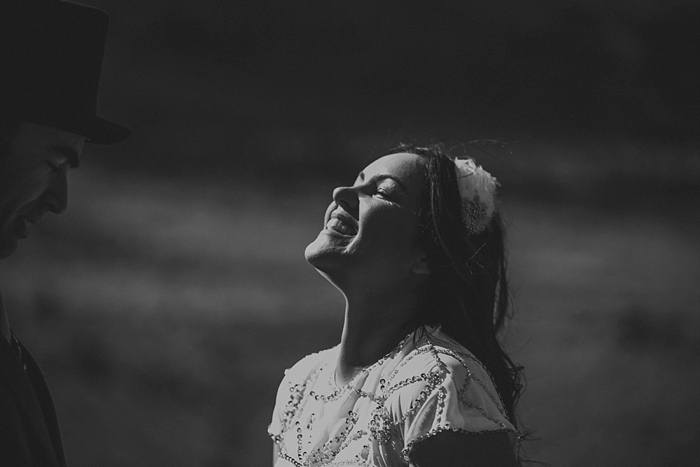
381	177
70	153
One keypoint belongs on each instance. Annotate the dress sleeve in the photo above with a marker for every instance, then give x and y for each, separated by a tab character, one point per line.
290	393
275	427
442	391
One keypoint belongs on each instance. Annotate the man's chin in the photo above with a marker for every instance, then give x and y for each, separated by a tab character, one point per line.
7	247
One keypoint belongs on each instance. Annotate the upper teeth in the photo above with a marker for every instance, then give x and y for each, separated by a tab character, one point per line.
339	226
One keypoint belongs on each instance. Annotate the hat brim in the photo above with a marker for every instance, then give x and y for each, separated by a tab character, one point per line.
96	130
101	131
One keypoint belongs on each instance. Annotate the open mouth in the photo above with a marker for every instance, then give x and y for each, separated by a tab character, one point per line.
341	224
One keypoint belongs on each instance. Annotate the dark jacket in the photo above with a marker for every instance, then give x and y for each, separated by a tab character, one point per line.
29	434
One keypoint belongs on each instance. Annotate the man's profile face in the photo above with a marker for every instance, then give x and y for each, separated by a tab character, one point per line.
33	179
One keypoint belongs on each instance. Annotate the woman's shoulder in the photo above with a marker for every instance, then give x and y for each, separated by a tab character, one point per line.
440	371
437	353
308	365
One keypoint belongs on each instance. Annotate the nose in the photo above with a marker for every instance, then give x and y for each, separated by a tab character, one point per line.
346	197
56	197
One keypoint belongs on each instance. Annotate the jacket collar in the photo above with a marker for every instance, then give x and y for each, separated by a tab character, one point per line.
14	377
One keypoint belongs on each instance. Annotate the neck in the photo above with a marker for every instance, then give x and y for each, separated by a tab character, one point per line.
374	325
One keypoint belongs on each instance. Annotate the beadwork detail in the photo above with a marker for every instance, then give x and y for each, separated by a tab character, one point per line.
370	427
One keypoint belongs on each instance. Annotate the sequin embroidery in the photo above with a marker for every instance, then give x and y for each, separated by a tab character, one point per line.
362	423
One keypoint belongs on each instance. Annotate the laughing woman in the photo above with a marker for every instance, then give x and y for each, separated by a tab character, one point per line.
419	377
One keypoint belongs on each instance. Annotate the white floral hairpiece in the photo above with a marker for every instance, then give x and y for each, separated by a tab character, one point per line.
477	188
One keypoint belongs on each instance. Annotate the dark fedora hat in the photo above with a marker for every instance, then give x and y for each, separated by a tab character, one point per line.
50	66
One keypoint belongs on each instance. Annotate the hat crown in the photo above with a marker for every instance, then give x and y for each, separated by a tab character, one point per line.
51	60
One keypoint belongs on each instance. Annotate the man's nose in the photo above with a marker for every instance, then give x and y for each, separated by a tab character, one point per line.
56	197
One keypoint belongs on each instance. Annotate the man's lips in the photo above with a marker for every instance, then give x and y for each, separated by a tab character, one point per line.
23	221
341	223
21	228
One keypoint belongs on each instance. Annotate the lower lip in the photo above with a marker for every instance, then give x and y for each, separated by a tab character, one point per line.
335	233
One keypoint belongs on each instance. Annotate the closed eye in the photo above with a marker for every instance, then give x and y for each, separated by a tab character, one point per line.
53	167
384	194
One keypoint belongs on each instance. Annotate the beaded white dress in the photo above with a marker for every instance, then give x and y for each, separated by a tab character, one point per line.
416	391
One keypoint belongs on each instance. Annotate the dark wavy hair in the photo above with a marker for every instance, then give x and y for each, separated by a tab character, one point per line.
467	290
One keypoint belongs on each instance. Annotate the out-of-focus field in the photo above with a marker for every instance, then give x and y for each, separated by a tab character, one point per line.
164	314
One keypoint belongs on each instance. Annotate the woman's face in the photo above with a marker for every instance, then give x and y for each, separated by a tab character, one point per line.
370	228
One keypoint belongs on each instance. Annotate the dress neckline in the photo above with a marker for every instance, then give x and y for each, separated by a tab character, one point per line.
366	370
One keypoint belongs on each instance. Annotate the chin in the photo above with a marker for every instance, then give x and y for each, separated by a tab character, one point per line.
7	248
323	255
315	251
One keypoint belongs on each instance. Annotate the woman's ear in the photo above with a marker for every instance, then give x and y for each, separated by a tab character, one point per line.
421	266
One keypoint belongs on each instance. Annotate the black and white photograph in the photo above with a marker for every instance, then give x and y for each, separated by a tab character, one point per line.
370	234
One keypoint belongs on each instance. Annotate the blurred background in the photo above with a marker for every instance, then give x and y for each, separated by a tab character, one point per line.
166	303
